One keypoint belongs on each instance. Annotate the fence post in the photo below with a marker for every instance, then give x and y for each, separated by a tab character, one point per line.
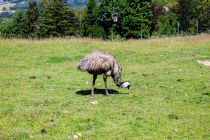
197	26
178	27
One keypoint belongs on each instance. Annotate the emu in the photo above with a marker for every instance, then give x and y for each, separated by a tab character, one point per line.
101	62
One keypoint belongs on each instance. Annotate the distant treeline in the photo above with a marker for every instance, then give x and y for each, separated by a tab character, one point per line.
108	19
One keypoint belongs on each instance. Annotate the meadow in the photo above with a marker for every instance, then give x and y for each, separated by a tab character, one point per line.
43	96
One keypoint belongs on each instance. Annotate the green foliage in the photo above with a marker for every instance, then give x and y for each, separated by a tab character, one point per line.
90	26
192	10
56	20
106	9
70	23
192	26
200	11
167	24
136	21
28	25
12	27
134	18
1	21
5	28
96	30
22	24
157	10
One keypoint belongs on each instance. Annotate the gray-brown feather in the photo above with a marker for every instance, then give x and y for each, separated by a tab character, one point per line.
98	62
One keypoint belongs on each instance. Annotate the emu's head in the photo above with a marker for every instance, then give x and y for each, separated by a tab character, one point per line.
116	75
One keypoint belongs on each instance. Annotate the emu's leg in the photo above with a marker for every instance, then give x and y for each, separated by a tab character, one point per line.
93	86
105	83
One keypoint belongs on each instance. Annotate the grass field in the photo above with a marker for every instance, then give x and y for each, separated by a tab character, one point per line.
44	96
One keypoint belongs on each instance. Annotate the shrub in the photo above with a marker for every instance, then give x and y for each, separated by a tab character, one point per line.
167	24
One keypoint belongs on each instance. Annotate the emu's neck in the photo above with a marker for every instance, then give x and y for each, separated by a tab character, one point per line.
117	74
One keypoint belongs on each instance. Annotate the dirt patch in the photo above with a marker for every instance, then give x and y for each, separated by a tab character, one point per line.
204	62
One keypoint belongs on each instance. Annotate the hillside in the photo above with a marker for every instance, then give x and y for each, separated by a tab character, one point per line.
8	7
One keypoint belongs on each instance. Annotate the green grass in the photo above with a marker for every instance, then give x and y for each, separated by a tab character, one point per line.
43	95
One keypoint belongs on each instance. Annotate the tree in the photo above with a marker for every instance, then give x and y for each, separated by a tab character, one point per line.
89	24
199	12
184	14
56	20
70	23
12	27
89	18
29	20
157	11
167	24
136	21
134	17
106	9
191	11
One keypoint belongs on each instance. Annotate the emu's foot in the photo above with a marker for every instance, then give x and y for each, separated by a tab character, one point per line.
107	94
92	94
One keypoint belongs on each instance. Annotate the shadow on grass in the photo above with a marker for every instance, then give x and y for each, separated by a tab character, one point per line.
97	91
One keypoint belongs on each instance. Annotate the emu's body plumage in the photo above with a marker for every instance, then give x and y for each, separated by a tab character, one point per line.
100	62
